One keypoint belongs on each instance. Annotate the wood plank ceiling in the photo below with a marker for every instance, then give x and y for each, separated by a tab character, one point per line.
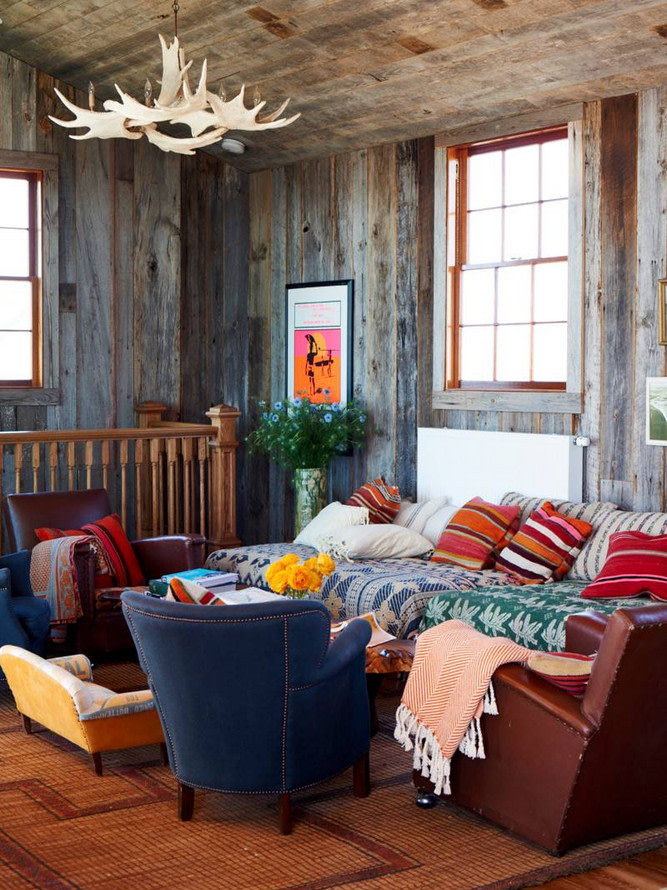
362	72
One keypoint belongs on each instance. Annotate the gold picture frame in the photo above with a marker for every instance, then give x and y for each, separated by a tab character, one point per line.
662	311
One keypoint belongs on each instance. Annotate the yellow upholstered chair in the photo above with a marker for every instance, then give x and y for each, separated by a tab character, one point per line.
60	694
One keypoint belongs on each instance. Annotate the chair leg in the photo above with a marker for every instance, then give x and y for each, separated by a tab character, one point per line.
164	757
285	813
27	724
97	762
186	802
361	777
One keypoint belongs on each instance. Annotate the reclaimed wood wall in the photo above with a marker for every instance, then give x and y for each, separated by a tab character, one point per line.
152	270
366	215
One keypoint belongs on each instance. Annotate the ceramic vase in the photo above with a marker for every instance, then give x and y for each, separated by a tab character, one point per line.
310	495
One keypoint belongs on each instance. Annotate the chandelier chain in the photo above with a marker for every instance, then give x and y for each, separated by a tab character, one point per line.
175	6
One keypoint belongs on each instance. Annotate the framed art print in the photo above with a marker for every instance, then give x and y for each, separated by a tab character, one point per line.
319	341
656	410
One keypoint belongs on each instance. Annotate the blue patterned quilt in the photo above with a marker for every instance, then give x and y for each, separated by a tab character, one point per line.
397	590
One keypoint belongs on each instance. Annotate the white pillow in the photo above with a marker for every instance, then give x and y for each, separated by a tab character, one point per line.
435	525
332	519
381	541
415	516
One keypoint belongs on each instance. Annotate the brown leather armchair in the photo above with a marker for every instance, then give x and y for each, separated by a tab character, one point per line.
98	631
562	772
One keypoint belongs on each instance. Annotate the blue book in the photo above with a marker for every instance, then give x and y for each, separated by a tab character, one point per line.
205	577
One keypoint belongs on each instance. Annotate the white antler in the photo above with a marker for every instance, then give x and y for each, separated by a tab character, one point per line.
102	125
208	116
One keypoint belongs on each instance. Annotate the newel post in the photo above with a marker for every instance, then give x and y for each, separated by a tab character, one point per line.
149	413
223	475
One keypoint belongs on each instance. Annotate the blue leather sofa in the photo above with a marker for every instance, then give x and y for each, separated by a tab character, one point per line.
253	698
24	618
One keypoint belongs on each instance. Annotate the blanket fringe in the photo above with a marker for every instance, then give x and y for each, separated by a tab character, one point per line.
490	705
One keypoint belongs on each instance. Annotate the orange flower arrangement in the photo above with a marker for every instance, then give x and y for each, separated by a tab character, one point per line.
293	578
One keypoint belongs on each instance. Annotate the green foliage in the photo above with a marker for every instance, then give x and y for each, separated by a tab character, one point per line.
299	434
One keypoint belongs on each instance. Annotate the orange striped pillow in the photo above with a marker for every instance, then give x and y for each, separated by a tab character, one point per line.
383	501
475	534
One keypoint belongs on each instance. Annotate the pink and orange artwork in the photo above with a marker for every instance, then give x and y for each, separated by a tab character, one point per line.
317	364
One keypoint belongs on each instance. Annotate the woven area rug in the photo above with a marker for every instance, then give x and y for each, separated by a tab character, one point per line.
63	828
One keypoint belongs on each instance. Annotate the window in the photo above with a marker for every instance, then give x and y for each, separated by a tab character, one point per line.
20	278
507	233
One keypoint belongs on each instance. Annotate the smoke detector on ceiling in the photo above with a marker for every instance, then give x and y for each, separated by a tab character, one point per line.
233	146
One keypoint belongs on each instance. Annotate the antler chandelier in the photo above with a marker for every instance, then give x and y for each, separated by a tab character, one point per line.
208	116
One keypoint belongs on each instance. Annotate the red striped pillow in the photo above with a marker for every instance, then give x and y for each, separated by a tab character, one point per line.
567	670
636	563
475	533
545	546
124	565
382	500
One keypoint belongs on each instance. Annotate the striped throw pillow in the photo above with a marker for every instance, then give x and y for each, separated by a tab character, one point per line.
636	564
567	670
182	591
382	500
545	546
592	558
475	534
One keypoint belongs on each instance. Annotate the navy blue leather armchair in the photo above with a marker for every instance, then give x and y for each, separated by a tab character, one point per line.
253	698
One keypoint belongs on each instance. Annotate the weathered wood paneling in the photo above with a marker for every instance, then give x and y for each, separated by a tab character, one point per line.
129	317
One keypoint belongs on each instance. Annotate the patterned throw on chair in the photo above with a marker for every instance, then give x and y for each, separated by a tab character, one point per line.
448	690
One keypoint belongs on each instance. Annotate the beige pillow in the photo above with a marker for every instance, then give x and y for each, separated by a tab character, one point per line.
380	541
436	524
333	518
416	515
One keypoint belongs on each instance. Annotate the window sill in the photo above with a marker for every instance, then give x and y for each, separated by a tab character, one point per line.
29	396
533	401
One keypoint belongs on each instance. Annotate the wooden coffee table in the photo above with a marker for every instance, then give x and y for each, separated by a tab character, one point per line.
394	657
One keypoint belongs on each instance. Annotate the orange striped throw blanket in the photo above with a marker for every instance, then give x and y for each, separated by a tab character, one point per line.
448	690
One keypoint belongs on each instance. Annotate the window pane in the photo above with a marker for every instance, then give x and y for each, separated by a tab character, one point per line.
522	174
485	180
550	292
15	306
476	353
521	232
484	236
15	356
14	203
554	229
550	353
513	294
555	169
513	358
14	253
477	296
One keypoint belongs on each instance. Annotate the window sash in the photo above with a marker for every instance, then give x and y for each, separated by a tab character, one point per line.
457	215
34	180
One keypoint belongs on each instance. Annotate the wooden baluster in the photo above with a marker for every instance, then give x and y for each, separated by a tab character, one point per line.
124	456
53	466
36	463
187	449
203	454
71	466
139	486
172	454
89	460
105	456
18	466
155	485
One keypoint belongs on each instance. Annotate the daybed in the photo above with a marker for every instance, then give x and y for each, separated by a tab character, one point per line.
405	592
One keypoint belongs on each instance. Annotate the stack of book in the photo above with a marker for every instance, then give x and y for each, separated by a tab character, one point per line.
216	582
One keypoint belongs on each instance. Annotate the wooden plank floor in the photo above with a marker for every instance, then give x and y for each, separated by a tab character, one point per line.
645	872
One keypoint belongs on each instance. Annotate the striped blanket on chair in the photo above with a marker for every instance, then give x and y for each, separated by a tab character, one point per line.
448	689
53	577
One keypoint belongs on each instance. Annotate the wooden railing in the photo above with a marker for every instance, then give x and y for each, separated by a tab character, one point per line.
163	477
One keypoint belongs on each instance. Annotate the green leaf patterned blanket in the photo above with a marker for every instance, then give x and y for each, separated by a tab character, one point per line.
533	616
